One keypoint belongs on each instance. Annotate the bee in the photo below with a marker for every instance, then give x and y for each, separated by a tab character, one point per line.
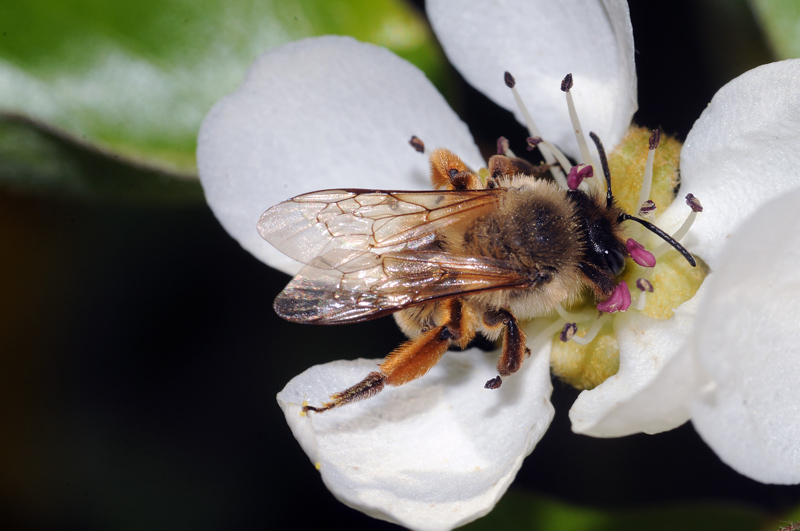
467	258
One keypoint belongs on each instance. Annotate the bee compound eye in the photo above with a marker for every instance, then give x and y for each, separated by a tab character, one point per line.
615	261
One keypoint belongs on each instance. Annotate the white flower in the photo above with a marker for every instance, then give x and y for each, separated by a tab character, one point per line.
440	451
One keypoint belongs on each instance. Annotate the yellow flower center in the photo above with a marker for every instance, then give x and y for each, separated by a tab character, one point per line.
673	280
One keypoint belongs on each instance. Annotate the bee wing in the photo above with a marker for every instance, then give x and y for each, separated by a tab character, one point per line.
377	285
330	228
366	252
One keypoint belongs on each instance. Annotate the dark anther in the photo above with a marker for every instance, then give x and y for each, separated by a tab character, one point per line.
644	285
694	203
494	383
566	83
647	207
655	139
417	144
533	141
568	331
509	79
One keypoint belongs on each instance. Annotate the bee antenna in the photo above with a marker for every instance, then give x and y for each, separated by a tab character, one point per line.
604	164
661	234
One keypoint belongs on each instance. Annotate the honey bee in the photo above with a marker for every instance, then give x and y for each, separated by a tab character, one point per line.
468	258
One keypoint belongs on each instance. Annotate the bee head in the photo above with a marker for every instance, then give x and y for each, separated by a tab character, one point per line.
623	216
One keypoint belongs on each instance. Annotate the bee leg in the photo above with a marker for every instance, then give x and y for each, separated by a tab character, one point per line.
448	172
369	386
504	166
514	349
408	362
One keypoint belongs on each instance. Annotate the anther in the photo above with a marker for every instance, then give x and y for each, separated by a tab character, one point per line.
668	240
568	331
566	83
577	174
533	142
639	254
644	285
655	139
509	79
619	301
648	209
694	203
417	144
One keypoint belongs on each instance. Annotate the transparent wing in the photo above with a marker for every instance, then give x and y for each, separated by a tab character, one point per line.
379	285
330	228
369	253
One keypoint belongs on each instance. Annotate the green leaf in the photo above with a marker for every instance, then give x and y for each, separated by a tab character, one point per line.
526	511
34	159
780	21
134	80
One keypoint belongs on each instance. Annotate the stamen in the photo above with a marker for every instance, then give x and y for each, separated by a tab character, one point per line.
648	210
693	203
696	207
563	162
568	332
647	178
645	287
566	86
533	131
570	316
417	144
592	333
639	254
619	301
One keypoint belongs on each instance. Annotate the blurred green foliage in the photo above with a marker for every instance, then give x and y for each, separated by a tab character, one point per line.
780	21
133	80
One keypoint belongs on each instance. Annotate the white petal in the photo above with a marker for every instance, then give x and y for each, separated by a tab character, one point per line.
743	151
433	454
747	339
540	42
320	113
656	381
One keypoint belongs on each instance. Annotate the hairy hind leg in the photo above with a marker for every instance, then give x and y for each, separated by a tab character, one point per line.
412	359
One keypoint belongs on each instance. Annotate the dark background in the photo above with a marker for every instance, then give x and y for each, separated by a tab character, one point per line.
141	356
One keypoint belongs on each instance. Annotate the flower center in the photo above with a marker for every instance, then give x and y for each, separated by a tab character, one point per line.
585	349
592	355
